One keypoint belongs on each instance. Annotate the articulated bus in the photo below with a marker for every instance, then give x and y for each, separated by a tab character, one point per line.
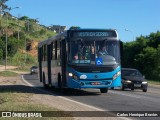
81	58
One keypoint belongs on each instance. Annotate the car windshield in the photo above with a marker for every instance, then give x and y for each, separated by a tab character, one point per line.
34	67
131	73
104	52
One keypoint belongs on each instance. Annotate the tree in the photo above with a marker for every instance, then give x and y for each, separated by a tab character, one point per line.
1	54
24	18
2	48
144	54
13	45
147	62
154	39
3	6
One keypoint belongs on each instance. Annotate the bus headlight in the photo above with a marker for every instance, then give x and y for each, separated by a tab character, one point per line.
70	74
75	77
116	75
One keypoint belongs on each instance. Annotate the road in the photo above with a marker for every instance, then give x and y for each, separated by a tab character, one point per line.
114	100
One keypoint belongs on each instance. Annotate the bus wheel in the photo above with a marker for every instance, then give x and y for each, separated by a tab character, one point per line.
59	82
104	90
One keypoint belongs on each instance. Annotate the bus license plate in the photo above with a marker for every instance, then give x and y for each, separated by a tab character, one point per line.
95	83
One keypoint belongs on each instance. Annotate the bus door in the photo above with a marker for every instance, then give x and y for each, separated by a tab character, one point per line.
63	61
40	63
49	55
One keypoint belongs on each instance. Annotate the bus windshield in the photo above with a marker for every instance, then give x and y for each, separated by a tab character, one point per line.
105	52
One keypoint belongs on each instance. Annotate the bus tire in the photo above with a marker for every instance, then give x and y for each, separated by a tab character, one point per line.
104	90
60	86
59	82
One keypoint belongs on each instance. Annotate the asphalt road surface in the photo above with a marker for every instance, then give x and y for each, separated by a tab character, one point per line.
114	100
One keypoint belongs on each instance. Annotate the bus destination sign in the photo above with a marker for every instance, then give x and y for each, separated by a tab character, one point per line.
94	34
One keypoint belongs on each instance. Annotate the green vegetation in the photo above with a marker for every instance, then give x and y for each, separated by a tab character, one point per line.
153	82
144	54
19	40
21	33
14	101
8	74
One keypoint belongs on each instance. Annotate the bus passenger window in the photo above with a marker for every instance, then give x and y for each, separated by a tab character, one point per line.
53	52
45	52
58	50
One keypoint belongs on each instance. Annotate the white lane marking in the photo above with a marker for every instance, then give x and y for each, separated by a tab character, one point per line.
26	81
92	107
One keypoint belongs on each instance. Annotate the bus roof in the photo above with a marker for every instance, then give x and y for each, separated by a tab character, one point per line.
61	36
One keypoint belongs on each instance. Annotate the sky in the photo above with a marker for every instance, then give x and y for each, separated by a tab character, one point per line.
131	18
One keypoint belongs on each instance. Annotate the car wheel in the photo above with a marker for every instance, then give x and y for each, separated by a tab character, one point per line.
122	88
104	90
144	90
132	88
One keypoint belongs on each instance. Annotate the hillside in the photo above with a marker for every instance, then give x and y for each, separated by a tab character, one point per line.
23	35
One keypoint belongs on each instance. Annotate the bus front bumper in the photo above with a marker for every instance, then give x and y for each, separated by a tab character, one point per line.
95	84
90	84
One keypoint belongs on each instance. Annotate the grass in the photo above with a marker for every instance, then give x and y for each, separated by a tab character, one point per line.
8	74
154	82
23	68
14	101
13	24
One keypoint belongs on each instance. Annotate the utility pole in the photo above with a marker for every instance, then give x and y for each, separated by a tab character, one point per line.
26	41
7	36
6	42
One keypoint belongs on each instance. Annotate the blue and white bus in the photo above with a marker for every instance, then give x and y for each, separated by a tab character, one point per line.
74	59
